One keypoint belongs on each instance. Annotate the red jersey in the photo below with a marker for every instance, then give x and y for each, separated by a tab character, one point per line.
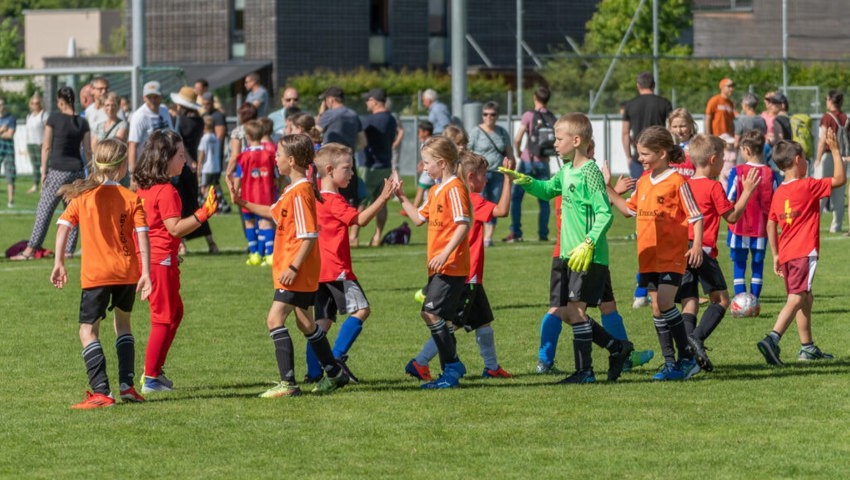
446	207
107	215
295	216
258	175
796	210
269	147
335	215
712	202
753	222
686	168
482	212
161	202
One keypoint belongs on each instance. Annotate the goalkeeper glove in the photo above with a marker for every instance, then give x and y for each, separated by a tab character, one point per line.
581	256
209	207
518	178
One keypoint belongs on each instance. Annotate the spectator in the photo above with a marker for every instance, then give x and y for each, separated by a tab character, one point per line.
148	118
99	87
124	109
645	110
438	112
778	107
8	124
201	87
112	126
833	119
289	104
768	117
246	113
86	98
748	119
341	124
218	118
257	94
36	120
720	111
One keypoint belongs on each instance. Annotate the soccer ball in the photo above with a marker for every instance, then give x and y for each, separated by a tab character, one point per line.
745	305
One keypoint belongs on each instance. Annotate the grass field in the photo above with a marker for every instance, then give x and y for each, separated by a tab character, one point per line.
744	420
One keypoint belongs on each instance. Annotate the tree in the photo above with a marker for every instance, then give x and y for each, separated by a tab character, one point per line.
606	28
10	57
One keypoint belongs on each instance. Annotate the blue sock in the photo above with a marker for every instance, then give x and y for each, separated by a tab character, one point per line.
550	331
739	273
266	246
755	281
314	367
348	332
613	322
251	235
640	292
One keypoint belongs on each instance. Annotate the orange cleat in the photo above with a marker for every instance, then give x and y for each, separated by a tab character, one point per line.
94	400
498	373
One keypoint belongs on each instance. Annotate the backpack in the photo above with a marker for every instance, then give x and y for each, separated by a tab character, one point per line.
397	236
843	136
801	132
541	138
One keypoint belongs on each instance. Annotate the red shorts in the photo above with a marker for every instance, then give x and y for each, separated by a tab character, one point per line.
166	304
799	274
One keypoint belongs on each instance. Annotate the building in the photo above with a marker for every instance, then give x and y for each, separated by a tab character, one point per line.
50	33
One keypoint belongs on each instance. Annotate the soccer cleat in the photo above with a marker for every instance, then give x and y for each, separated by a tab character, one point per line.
282	389
153	385
770	350
641	302
689	367
511	238
309	379
698	349
417	371
328	384
344	366
544	368
497	373
161	378
267	261
129	394
579	377
450	378
94	400
638	358
617	360
812	353
254	259
668	371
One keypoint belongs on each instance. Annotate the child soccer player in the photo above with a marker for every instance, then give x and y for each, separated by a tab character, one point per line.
706	152
749	234
163	157
476	314
296	268
108	215
447	213
664	206
795	209
339	290
683	127
257	185
585	219
209	158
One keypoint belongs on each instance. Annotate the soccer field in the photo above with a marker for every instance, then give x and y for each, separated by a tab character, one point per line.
744	420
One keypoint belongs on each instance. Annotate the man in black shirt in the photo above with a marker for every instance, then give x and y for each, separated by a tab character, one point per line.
645	110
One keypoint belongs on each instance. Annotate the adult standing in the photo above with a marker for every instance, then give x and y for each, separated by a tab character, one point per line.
769	114
720	111
340	124
94	113
778	106
148	118
201	86
645	110
289	99
438	112
257	96
8	124
531	164
219	120
380	128
112	126
36	120
61	164
832	120
494	143
748	119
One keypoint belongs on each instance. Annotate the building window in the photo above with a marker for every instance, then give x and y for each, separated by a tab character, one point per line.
379	28
437	32
237	30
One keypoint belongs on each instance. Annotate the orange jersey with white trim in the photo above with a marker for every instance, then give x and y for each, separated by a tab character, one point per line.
108	216
664	206
295	216
446	208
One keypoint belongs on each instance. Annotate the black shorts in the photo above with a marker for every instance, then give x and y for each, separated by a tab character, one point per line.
302	300
588	287
95	301
444	296
555	280
343	296
709	275
476	310
651	280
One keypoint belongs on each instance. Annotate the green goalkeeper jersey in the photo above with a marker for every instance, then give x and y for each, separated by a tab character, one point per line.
585	208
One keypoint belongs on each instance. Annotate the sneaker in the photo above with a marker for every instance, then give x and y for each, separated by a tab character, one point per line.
770	350
618	359
10	205
282	389
811	353
129	394
254	259
328	384
450	378
341	361
638	358
543	239
488	243
161	378
641	302
544	368
417	371
689	367
497	373
668	371
580	376
309	379
94	400
511	238
153	385
698	349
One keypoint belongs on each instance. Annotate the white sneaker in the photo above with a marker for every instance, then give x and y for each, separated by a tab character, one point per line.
641	302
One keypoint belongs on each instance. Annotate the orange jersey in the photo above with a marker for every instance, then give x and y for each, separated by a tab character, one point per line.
664	207
295	216
446	208
108	216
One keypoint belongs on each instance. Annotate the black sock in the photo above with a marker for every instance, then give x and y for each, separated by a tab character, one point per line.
322	348
665	340
125	345
602	337
284	353
445	342
690	322
96	367
710	320
677	331
582	345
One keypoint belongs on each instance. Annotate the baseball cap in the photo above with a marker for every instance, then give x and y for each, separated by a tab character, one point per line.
726	81
379	94
332	92
151	88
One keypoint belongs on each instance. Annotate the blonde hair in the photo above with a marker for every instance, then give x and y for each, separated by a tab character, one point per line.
685	115
444	149
330	155
106	165
703	146
457	136
576	123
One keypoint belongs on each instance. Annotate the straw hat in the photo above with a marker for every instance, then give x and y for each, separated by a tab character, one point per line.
186	97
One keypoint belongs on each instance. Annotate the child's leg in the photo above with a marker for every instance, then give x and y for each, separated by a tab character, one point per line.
582	336
550	331
665	297
443	338
283	350
317	338
739	269
665	339
640	292
758	271
125	347
164	305
804	318
93	357
265	240
612	321
251	233
788	313
486	340
428	352
713	315
355	301
314	367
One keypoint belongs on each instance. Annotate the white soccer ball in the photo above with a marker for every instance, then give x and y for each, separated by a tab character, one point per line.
745	305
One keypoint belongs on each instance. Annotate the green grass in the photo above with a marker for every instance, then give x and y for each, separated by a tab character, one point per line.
743	420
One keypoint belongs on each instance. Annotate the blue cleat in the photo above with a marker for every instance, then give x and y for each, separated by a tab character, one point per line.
669	371
449	379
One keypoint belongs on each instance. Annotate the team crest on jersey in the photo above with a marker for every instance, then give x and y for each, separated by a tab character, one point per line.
572	188
660	200
439	209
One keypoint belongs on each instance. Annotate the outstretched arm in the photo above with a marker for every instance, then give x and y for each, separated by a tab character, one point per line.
750	183
409	208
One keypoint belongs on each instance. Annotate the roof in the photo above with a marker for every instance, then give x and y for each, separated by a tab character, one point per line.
221	74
